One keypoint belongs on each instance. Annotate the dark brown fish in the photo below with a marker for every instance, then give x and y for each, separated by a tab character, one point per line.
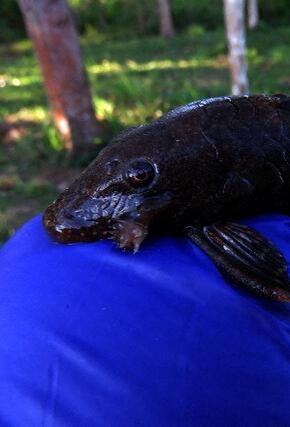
194	171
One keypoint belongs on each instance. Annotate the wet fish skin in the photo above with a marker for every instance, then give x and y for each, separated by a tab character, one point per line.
205	164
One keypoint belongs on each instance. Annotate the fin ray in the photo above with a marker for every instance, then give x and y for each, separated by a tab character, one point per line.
245	258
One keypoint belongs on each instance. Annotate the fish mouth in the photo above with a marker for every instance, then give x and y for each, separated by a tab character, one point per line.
68	228
128	229
128	234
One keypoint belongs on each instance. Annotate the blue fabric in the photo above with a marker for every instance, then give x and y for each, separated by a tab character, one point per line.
92	336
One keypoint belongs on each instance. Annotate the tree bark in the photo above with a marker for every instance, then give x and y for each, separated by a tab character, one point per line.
253	14
165	16
235	30
51	28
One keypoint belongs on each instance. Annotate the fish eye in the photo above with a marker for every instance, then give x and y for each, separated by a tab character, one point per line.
140	173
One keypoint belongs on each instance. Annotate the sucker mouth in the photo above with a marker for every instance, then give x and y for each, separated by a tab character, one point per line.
68	228
127	234
90	221
126	220
73	235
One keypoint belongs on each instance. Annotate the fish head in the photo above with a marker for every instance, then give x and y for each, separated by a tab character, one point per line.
118	196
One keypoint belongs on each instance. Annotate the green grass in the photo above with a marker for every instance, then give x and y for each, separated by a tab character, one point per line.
132	82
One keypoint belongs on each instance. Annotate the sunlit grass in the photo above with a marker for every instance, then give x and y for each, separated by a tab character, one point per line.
36	114
114	67
132	82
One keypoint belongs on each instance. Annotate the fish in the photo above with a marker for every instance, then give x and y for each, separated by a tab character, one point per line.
197	171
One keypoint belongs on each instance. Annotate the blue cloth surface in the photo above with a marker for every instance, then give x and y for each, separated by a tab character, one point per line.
92	336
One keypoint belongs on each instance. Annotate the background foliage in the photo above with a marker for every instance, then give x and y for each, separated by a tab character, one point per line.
134	75
117	19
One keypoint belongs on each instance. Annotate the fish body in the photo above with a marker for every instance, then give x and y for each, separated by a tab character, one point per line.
193	171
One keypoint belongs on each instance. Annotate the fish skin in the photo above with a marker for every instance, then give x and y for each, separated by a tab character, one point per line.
212	161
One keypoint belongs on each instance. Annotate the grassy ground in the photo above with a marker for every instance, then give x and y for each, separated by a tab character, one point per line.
132	82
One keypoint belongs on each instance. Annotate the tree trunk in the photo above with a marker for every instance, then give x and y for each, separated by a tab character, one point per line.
51	28
235	29
166	23
253	14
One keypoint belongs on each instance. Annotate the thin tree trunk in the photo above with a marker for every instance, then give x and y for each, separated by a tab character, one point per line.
165	16
235	29
253	14
51	28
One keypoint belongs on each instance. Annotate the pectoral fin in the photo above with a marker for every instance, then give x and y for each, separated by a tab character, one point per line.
245	258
